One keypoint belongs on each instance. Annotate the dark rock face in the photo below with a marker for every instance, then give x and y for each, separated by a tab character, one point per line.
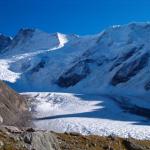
40	65
75	74
125	57
13	107
26	32
4	42
128	70
21	37
70	81
147	86
28	138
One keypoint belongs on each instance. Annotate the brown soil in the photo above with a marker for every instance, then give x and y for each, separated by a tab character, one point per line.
79	142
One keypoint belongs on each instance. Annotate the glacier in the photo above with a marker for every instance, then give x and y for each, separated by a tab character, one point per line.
94	84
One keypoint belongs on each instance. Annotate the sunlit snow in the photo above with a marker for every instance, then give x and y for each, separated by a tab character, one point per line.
36	61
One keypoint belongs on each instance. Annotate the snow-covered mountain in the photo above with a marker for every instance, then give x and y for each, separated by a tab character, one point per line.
30	40
109	71
117	58
35	59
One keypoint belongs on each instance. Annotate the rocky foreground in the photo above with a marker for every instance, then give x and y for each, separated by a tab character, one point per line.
13	138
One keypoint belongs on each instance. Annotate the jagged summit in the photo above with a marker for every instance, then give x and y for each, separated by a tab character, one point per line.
63	38
29	40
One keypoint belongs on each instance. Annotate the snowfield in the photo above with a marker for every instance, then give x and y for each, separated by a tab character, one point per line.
86	114
6	74
64	76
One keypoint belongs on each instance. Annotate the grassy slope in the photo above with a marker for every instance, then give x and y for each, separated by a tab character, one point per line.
79	142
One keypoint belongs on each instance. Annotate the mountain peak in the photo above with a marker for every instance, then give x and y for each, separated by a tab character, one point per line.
27	32
64	38
30	40
24	30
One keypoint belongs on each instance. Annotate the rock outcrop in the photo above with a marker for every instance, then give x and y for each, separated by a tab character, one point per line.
12	138
13	107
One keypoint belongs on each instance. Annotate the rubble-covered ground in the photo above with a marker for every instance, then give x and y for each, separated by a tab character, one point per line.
12	138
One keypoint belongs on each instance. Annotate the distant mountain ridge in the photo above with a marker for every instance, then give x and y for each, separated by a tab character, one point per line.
27	40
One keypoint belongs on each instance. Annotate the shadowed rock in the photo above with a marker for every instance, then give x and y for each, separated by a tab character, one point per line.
147	86
75	74
128	70
4	41
125	57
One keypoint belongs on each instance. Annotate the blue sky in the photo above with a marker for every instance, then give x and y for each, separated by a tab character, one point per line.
70	16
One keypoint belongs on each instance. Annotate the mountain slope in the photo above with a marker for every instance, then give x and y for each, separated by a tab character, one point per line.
5	41
108	73
29	40
40	56
117	58
13	107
